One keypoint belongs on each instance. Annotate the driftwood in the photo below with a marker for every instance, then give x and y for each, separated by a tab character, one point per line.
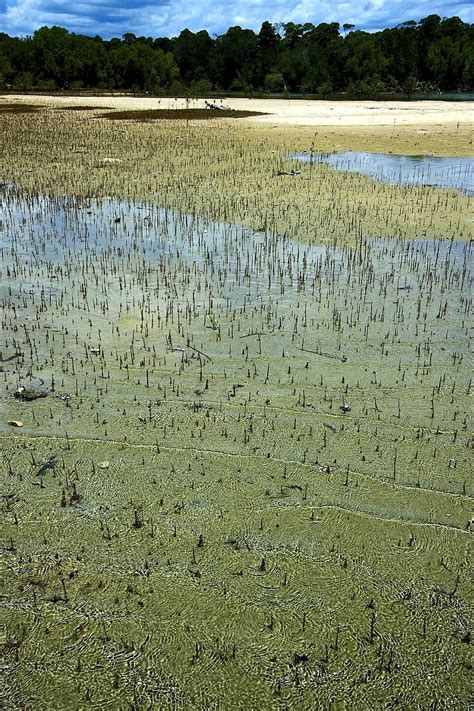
288	172
324	355
176	349
257	333
217	106
196	350
19	354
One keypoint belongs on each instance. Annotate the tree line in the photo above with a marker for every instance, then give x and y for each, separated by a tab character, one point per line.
431	55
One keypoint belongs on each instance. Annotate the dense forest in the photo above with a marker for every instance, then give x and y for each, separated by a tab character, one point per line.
431	55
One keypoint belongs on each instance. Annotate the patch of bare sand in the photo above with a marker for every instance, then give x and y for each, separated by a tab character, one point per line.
290	112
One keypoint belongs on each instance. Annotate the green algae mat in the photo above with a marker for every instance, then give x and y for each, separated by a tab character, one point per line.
235	469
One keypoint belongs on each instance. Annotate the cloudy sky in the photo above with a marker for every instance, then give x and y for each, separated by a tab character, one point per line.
112	18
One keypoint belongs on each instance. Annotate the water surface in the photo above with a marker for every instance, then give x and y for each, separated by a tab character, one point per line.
456	173
247	448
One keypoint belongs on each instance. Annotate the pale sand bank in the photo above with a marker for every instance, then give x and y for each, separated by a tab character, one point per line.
288	112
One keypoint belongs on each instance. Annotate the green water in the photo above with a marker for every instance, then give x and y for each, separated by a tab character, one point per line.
248	485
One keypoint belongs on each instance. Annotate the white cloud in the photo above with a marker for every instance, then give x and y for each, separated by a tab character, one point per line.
168	17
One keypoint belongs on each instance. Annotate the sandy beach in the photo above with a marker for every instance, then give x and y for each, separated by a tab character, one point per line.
283	112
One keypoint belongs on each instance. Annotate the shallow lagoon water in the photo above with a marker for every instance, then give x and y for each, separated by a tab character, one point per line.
289	423
66	229
456	173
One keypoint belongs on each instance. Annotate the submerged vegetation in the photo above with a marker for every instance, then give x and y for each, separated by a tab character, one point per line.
236	447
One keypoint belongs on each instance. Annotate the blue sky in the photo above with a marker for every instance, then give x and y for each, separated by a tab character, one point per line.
159	18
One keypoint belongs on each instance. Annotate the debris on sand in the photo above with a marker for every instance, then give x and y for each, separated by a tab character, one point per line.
31	390
291	173
220	107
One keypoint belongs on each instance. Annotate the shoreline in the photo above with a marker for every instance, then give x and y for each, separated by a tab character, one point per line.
282	112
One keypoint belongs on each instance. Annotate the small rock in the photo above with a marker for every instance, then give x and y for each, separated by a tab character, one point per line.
31	390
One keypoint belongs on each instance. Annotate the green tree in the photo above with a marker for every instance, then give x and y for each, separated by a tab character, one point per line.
433	53
238	48
274	82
